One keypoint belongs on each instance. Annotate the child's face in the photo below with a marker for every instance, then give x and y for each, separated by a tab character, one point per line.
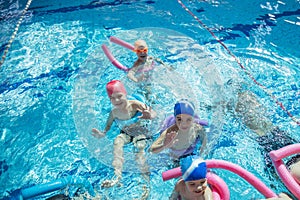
118	99
142	52
184	122
197	187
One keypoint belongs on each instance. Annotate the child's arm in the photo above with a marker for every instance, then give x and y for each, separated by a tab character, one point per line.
132	71
158	145
147	112
165	140
202	135
170	67
98	134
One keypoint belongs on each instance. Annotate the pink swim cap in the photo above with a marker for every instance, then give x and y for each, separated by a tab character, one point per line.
115	86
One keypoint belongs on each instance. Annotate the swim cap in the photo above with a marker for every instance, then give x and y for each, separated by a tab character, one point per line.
193	168
184	107
115	86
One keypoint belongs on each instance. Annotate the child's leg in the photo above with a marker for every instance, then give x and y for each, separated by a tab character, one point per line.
140	143
118	161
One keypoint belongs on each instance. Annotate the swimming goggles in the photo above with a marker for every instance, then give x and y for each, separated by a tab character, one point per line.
141	50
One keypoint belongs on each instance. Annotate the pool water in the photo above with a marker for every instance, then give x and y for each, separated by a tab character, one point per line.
53	77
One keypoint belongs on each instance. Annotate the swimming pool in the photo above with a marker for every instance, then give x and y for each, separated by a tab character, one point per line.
53	74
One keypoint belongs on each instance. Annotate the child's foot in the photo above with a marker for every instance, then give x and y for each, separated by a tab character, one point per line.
145	193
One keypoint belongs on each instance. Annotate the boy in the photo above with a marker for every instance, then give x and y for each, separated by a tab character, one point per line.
127	113
193	184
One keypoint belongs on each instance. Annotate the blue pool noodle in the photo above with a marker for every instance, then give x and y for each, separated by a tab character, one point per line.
52	186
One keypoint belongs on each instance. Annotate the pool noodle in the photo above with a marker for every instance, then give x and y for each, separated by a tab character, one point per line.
37	190
112	59
281	169
285	151
121	42
258	184
219	187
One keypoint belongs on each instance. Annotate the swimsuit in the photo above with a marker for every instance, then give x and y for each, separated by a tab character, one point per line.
147	66
273	141
133	126
132	137
181	153
122	124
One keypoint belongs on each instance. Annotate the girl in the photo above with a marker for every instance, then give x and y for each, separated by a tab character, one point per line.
182	137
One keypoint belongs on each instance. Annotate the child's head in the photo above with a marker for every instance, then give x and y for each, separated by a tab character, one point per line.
194	174
140	44
116	92
141	49
184	114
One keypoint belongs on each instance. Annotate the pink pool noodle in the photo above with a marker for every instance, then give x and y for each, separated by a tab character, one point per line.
253	180
172	173
258	184
112	59
219	187
121	43
281	169
285	151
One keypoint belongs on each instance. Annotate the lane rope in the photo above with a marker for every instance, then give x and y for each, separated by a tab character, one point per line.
12	38
240	64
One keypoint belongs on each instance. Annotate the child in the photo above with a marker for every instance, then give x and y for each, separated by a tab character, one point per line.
193	184
294	167
182	137
128	113
253	116
140	71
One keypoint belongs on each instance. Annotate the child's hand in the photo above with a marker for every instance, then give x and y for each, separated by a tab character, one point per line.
141	78
170	139
147	113
97	134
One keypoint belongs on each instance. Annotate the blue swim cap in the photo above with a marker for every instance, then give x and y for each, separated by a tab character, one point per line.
184	107
193	168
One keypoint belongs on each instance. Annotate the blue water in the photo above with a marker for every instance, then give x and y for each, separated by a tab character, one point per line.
52	84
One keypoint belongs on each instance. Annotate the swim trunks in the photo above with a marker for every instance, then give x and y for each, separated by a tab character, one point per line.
276	139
